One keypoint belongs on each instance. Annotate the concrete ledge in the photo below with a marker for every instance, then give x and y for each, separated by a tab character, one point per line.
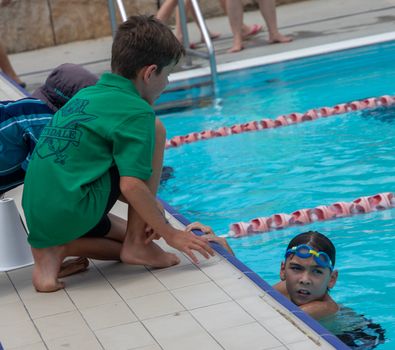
33	24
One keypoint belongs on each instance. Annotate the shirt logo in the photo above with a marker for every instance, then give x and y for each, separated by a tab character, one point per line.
55	140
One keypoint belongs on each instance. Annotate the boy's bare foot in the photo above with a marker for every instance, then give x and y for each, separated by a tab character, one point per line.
73	266
47	263
279	39
148	254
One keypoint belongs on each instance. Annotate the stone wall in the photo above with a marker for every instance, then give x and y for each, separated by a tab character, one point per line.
32	24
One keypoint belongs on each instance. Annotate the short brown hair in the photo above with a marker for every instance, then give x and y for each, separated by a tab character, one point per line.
141	41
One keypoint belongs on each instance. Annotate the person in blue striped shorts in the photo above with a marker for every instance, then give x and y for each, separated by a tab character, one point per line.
22	121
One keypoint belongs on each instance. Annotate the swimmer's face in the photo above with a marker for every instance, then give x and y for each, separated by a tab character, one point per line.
305	280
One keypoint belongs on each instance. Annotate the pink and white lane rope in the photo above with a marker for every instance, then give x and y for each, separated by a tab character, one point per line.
380	201
282	120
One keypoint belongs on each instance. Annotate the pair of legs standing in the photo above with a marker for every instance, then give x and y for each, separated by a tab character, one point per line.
169	6
268	11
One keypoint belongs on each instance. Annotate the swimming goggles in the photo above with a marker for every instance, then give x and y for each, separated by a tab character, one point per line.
304	251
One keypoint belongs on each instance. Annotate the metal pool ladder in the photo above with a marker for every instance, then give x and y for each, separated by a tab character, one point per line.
209	55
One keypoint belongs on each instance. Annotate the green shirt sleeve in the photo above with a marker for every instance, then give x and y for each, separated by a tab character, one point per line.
133	146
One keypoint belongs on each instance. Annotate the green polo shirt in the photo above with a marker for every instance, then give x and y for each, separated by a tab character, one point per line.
67	184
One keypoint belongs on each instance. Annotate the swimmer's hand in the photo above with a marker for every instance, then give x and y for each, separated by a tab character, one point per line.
210	235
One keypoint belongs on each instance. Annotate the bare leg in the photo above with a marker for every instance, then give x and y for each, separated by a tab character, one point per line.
136	252
134	249
48	261
6	66
179	34
235	15
268	11
246	29
166	10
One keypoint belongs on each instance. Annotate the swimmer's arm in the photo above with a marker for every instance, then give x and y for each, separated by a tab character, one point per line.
316	309
320	308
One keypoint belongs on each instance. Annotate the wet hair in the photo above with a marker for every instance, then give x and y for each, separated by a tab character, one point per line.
317	241
142	41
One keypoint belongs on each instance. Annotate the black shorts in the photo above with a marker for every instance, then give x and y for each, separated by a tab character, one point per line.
10	181
104	225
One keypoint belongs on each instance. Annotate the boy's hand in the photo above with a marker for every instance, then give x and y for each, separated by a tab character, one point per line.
187	242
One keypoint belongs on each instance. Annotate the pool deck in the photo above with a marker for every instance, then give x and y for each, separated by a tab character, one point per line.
214	305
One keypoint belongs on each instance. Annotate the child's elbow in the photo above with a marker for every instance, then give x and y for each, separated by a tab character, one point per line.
128	184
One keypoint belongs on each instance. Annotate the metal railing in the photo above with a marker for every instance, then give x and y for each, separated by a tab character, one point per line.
209	55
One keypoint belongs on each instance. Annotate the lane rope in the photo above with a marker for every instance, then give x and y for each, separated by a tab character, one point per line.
282	120
361	205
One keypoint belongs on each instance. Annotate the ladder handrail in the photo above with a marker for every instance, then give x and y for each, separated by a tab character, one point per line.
206	37
210	55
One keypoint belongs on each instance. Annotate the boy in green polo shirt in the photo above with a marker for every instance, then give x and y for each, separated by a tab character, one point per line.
99	147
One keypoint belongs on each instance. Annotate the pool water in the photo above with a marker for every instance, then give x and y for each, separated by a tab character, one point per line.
340	158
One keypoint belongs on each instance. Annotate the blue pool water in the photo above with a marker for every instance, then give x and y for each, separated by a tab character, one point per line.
239	177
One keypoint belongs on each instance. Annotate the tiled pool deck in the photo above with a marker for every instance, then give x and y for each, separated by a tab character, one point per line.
215	305
114	306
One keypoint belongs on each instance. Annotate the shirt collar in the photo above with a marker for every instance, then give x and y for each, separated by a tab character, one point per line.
115	80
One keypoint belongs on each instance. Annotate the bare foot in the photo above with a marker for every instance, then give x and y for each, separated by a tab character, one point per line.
279	39
73	266
213	36
235	48
148	254
250	31
47	263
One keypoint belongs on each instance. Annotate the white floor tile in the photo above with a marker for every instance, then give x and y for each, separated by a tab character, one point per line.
307	344
8	292
240	287
85	341
250	336
200	295
46	304
258	308
99	294
195	342
221	316
284	330
13	313
108	315
35	346
181	276
155	305
138	285
61	325
125	337
10	335
150	347
221	270
175	326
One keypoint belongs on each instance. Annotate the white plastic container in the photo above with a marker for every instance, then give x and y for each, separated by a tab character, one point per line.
14	249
